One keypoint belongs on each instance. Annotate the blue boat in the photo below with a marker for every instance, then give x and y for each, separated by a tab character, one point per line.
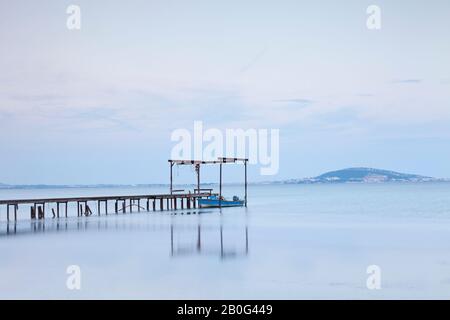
214	201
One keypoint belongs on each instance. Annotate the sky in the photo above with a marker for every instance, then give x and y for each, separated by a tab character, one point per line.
99	104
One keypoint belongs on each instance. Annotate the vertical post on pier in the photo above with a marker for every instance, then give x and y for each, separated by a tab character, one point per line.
106	207
66	210
154	204
148	204
171	177
57	209
245	183
15	212
139	205
7	212
161	204
115	206
98	207
197	169
220	186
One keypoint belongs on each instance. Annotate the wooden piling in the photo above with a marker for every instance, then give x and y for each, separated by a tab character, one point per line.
32	213
40	213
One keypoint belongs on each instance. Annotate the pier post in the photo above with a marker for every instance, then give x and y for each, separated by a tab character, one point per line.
98	207
220	186
175	203
139	205
106	207
245	183
15	212
57	209
40	213
154	204
197	169
161	204
131	205
66	210
32	213
171	177
182	203
115	207
124	206
148	204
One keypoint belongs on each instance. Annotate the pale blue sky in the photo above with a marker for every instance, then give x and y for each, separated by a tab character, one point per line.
98	105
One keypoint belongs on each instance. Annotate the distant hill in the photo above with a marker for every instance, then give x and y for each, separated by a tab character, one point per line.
363	175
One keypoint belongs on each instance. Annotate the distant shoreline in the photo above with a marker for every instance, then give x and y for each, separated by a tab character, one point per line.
358	175
274	183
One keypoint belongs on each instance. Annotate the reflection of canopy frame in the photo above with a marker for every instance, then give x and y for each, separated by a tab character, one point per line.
220	162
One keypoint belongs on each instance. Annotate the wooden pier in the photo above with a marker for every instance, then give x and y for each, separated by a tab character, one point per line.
122	204
157	202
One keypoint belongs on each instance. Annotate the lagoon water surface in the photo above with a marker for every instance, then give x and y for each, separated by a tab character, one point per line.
292	242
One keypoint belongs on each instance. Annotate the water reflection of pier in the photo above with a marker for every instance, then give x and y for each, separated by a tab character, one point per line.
210	238
199	249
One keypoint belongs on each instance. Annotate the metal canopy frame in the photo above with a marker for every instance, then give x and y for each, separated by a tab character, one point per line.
220	161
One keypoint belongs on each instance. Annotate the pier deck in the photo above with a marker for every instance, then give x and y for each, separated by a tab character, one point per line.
122	203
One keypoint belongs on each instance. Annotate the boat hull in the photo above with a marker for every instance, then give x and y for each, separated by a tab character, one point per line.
215	203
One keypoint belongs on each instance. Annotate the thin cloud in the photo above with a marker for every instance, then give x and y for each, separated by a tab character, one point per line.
407	81
299	101
253	61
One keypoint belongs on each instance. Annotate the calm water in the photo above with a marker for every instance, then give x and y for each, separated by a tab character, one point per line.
294	242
